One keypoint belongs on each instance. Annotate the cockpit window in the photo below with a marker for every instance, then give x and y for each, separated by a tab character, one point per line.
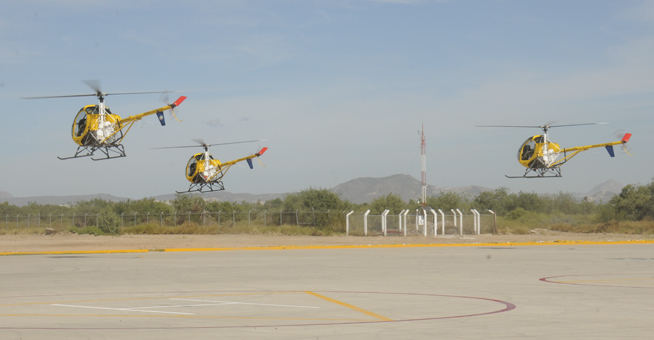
527	149
92	110
80	124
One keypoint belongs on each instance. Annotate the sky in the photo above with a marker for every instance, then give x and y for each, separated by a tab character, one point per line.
337	89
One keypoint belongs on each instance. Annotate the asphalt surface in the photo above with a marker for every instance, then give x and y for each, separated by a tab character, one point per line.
472	292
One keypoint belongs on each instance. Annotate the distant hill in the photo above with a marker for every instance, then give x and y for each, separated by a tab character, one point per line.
602	192
366	189
57	200
359	190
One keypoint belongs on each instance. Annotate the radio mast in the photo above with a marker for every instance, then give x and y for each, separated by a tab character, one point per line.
423	157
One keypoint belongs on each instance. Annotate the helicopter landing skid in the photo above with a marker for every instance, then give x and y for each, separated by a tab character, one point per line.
204	187
114	151
540	173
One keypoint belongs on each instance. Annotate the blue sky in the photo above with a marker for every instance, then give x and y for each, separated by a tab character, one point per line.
339	88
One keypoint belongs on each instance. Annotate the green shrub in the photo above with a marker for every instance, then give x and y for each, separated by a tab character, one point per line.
109	222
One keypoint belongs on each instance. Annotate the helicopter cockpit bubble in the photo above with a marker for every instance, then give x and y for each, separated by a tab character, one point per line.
527	149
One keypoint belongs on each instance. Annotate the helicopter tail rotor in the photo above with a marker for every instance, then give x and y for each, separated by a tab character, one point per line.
624	138
249	160
179	101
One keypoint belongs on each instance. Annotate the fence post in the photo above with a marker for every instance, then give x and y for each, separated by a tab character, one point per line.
73	219
384	225
233	218
494	222
365	223
85	219
17	221
460	222
442	222
264	218
297	221
188	219
135	219
454	213
347	223
435	222
96	219
313	216
474	221
204	218
219	216
405	225
50	221
122	214
147	218
424	227
28	220
6	219
161	220
39	223
62	220
280	217
175	218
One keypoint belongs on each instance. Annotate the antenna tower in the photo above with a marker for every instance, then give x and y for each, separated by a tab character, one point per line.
423	159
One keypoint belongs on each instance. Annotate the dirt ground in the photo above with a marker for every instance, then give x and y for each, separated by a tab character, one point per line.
74	242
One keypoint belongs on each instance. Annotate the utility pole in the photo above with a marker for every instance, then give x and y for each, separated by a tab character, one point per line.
423	159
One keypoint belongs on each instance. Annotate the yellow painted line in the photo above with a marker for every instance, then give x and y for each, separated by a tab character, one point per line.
486	244
350	306
359	246
74	252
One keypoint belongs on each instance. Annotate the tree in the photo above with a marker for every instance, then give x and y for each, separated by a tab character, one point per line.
392	202
109	221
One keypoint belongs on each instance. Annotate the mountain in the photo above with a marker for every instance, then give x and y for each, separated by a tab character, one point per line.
359	190
602	192
366	189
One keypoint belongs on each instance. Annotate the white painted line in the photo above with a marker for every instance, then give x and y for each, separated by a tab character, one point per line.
245	303
122	309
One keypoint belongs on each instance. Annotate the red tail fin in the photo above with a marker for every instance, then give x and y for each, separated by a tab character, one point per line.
178	101
626	137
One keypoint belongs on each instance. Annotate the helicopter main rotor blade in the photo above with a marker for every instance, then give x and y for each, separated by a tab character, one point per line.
95	95
66	96
577	124
94	84
515	126
207	145
539	126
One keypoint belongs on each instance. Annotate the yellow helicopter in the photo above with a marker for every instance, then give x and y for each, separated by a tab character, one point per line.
540	155
205	172
96	128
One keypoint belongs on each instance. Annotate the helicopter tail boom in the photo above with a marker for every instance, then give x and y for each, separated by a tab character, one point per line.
161	109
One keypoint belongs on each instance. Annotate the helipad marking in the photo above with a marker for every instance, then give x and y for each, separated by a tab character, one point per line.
383	318
121	309
243	303
609	280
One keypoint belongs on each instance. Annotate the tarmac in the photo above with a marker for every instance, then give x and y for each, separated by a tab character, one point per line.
570	291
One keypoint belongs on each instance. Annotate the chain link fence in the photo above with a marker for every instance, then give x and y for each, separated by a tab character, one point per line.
358	224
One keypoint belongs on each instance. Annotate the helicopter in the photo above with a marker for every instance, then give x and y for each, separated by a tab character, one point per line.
96	128
205	172
540	155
